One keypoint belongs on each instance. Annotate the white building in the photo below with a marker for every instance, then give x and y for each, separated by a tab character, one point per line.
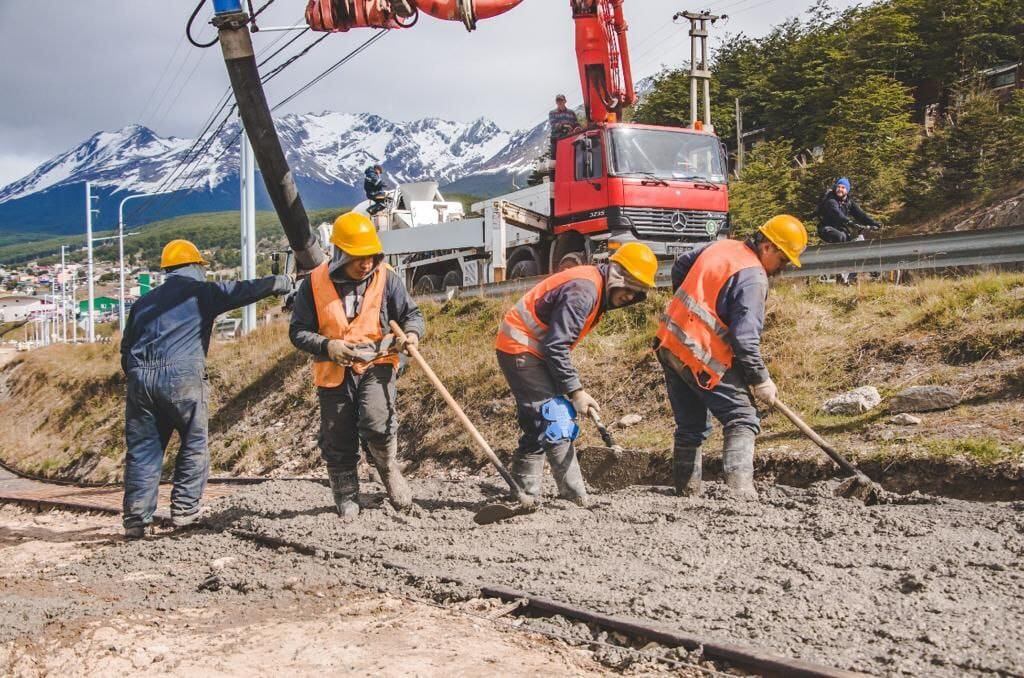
15	308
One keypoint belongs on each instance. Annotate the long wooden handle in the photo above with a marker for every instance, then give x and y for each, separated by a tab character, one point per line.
461	415
818	440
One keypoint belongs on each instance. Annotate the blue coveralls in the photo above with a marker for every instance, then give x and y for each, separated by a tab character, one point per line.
163	354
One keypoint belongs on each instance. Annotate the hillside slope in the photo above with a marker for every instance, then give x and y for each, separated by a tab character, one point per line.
64	405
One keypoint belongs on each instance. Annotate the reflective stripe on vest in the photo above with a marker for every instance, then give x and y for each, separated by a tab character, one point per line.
690	327
334	324
522	332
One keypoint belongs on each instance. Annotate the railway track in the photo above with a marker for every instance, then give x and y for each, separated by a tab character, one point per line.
43	495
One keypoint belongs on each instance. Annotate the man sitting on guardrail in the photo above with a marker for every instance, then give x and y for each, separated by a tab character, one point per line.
163	353
842	219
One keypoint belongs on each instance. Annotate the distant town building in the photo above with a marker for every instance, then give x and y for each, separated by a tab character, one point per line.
100	305
15	308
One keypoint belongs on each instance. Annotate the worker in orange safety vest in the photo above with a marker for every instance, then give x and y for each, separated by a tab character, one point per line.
533	346
709	346
340	315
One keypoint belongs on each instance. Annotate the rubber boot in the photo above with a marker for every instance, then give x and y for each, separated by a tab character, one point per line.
738	463
345	487
566	470
686	471
527	471
385	458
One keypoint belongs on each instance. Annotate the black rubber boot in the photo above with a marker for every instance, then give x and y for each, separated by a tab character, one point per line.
345	487
527	471
565	467
385	458
738	463
686	471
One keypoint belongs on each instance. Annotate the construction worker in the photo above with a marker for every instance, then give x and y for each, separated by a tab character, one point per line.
163	354
375	189
341	315
709	346
562	120
533	346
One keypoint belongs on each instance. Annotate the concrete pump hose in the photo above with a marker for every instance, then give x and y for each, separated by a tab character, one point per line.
466	11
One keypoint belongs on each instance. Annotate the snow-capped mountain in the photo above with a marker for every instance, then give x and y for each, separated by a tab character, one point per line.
327	152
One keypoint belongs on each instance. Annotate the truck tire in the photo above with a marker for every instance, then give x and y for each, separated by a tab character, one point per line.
427	284
452	279
527	268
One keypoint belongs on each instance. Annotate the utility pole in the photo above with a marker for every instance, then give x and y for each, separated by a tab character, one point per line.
699	71
90	331
740	151
63	295
248	211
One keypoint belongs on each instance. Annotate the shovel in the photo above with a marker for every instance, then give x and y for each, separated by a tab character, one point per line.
606	435
492	512
858	485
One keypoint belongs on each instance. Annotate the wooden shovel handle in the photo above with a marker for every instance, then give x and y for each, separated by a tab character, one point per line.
818	440
481	443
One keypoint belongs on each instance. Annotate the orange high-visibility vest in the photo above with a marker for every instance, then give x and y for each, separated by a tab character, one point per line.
334	324
521	330
690	327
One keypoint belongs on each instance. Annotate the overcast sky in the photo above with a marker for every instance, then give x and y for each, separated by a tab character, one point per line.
73	68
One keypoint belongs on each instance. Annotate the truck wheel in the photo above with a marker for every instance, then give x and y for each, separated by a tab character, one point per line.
427	284
452	279
526	268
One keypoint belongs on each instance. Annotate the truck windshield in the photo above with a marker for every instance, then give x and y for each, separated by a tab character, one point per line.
666	155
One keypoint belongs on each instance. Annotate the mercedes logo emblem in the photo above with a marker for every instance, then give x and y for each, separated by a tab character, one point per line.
678	221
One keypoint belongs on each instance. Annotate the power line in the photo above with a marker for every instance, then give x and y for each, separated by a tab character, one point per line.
160	80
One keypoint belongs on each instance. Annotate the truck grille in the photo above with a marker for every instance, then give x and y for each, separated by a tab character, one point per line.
669	223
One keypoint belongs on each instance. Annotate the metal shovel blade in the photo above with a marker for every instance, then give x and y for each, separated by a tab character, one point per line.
493	513
859	486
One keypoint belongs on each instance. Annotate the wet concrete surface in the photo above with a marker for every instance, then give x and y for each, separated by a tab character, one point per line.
933	588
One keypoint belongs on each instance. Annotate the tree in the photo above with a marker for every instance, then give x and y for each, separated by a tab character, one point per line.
871	140
767	187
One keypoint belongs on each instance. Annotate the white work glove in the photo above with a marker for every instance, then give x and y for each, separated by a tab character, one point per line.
582	401
341	352
765	392
411	339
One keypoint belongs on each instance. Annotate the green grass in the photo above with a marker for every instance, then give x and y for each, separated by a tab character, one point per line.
984	450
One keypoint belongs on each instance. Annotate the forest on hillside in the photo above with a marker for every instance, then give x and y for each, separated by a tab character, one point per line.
894	95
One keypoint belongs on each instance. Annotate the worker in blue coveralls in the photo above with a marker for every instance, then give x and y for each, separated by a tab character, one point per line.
163	354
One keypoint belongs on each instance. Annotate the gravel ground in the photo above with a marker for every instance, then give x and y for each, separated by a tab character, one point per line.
932	588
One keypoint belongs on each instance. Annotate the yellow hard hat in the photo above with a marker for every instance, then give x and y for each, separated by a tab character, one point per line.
638	260
180	252
788	234
354	234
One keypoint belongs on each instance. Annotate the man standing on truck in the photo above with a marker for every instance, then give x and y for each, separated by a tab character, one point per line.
533	346
376	190
709	346
163	354
562	120
341	315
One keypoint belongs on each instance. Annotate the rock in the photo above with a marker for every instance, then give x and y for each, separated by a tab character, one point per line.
220	563
905	419
857	401
924	399
629	420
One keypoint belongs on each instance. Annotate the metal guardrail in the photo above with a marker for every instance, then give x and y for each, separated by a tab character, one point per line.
987	247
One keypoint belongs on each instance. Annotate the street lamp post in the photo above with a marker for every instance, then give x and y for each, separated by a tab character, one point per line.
120	250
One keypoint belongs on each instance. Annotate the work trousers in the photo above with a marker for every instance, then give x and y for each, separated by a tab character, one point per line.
729	402
363	407
162	399
531	386
833	235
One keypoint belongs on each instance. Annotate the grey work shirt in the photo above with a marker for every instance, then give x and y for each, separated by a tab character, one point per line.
740	305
